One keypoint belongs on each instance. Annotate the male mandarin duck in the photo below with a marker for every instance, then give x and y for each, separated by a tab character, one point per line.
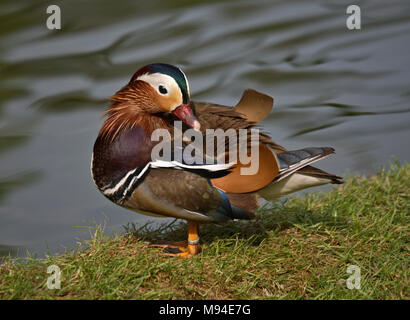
124	171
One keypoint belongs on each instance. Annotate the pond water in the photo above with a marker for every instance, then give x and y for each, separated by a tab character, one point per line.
349	89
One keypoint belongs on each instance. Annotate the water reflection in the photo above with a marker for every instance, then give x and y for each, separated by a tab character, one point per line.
335	87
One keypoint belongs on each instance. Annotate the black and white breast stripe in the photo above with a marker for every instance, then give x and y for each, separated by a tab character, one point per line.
120	190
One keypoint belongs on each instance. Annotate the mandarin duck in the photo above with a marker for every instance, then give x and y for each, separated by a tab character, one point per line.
158	96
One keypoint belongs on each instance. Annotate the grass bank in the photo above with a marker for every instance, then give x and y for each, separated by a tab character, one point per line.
300	248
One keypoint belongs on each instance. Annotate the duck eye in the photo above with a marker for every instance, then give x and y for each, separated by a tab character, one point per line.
162	89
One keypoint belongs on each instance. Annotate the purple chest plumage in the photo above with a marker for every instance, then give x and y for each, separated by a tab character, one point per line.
117	163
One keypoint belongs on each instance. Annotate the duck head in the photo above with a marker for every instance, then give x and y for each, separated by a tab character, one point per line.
158	89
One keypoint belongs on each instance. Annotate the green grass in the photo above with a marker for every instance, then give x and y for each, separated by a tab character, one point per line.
298	249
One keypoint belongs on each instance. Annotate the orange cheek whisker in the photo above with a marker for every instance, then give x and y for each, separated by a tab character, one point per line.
135	104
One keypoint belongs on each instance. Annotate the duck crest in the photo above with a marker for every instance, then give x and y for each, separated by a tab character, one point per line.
167	69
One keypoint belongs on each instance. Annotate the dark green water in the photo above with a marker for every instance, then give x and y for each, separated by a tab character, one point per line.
332	87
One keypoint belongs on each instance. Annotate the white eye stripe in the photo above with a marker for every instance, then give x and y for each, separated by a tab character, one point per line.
158	79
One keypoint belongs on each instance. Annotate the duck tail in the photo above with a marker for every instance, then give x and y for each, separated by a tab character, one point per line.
296	173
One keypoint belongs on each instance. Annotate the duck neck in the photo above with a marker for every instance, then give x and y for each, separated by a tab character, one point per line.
120	117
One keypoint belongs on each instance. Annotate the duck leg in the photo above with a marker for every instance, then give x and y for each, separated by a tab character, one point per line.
193	238
184	249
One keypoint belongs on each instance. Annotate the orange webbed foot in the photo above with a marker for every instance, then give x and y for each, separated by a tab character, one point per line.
183	249
178	249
